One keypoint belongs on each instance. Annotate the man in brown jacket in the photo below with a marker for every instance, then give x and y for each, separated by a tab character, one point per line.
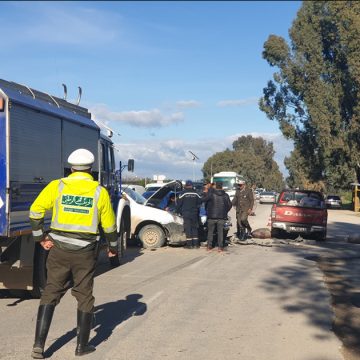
244	202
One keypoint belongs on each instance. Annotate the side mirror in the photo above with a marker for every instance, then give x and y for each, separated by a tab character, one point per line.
131	165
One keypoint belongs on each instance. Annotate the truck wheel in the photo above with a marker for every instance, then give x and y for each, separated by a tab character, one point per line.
40	272
152	236
115	261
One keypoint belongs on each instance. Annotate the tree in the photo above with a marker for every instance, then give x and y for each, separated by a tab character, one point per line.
250	157
315	94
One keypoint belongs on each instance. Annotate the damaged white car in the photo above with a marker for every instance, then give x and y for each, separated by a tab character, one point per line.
150	222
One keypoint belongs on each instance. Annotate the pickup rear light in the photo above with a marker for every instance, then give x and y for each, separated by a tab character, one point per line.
2	104
273	211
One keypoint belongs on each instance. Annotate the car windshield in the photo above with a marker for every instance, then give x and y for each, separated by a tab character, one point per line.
302	199
134	195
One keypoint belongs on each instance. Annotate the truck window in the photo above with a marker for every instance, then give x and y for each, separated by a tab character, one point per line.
103	158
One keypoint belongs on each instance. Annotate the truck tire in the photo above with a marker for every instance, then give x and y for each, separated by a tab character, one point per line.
39	272
152	237
115	261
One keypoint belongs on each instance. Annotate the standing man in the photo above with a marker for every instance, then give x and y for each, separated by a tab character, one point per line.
189	206
79	205
218	204
244	202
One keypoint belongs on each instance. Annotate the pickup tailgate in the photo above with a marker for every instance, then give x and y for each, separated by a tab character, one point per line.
299	215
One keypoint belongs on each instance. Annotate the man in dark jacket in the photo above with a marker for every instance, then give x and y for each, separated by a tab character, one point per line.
188	206
218	205
244	202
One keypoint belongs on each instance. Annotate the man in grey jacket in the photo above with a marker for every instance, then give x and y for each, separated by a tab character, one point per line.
244	202
217	204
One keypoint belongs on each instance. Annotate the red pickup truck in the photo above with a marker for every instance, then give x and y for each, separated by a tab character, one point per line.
299	212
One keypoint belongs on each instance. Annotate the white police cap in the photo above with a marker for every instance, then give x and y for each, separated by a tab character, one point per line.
81	159
240	182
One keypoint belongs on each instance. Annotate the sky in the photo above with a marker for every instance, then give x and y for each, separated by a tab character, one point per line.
168	77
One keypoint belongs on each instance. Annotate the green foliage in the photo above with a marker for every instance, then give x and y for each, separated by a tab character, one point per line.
250	157
315	96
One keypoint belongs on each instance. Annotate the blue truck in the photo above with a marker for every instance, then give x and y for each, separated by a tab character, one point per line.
38	131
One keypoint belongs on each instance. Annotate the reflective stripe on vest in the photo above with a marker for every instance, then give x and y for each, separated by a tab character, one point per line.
92	229
36	215
72	241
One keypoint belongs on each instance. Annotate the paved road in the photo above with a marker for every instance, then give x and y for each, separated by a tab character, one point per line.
251	303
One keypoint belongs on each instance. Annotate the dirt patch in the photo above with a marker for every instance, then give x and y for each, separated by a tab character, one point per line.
342	277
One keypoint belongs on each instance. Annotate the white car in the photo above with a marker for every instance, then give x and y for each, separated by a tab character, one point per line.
152	225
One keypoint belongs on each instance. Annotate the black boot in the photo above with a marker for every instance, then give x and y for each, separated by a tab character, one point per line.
242	235
43	321
84	324
196	243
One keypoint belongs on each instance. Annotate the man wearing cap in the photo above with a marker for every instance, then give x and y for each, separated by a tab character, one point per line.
189	206
244	202
79	206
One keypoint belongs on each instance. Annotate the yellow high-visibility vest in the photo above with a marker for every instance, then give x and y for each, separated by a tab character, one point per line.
78	204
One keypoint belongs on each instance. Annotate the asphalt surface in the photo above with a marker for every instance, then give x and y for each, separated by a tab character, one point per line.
265	300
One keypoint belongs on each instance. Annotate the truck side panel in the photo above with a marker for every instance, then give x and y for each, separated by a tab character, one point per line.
77	136
3	222
35	146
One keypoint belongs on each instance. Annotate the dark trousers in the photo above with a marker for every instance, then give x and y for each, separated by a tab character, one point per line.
64	265
217	224
191	225
242	220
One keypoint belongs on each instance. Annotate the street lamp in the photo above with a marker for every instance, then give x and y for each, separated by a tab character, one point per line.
194	157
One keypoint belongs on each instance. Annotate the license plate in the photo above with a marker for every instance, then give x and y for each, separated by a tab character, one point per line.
297	229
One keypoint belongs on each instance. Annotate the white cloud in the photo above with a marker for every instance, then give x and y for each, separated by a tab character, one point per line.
184	104
171	157
143	118
239	102
58	23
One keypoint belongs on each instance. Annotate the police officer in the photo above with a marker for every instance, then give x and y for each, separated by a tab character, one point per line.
189	206
244	202
79	205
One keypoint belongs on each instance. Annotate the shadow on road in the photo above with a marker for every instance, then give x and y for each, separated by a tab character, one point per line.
107	317
297	289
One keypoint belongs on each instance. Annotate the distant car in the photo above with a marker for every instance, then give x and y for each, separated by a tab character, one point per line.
257	195
267	197
333	201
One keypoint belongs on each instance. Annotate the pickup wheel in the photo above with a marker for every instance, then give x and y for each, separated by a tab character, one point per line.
275	233
152	236
115	261
321	236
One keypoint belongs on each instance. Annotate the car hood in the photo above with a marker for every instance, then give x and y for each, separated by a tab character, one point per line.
156	200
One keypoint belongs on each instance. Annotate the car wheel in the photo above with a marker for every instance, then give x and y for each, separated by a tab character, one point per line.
152	236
